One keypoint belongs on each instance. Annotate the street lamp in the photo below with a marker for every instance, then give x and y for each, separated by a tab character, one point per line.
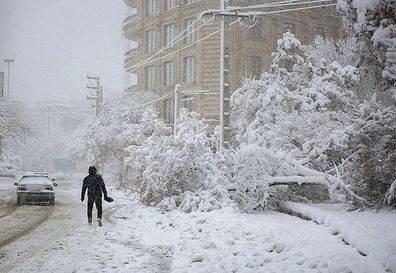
8	61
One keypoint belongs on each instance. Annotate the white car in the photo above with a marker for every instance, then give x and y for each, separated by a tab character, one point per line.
35	188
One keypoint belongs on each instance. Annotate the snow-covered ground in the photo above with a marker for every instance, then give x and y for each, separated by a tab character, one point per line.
136	238
371	233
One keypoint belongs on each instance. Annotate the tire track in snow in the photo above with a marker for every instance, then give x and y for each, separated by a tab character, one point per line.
8	204
10	209
30	245
22	214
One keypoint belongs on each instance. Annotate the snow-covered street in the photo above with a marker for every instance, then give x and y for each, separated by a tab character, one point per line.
198	136
136	238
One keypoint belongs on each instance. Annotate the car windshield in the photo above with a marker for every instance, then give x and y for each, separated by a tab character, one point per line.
35	180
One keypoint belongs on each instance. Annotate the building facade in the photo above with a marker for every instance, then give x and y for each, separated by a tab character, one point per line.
194	61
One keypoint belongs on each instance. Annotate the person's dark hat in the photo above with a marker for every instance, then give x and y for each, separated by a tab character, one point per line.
108	199
92	170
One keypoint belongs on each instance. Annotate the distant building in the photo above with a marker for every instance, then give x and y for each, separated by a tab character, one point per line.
1	84
154	23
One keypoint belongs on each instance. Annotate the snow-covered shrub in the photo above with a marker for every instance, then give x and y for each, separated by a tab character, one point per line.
169	166
203	201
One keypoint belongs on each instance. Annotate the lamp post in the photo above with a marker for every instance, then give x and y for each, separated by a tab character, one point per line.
8	61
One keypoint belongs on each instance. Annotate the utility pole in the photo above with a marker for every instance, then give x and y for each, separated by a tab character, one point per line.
176	110
95	92
240	16
222	50
223	12
8	61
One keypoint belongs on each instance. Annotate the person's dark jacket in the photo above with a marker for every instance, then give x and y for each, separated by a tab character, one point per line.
95	185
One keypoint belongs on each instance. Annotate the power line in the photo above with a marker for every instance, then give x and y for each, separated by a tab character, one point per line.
278	4
149	60
175	40
294	9
183	48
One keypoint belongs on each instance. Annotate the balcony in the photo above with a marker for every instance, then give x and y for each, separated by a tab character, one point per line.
131	58
131	3
131	26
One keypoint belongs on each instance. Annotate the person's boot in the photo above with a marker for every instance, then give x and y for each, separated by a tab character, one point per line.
90	222
100	222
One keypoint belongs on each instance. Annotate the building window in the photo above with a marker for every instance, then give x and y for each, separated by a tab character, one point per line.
151	7
150	77
257	31
189	29
188	102
150	41
255	66
168	73
289	27
188	69
168	111
187	2
169	4
169	34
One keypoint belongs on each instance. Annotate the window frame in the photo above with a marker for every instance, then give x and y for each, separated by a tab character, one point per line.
172	4
188	75
151	7
168	73
150	77
166	42
150	41
189	30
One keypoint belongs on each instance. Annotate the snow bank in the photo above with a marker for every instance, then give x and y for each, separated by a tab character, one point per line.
365	238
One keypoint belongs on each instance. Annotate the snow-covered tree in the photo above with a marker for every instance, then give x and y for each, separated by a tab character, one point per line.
125	121
15	126
292	125
371	168
373	23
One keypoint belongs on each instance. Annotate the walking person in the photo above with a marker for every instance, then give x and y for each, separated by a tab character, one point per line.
95	185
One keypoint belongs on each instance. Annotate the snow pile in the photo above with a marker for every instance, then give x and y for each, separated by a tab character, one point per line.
226	241
356	229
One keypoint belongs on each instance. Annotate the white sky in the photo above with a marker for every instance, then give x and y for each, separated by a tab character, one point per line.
56	43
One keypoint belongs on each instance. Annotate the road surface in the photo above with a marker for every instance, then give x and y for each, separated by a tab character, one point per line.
134	238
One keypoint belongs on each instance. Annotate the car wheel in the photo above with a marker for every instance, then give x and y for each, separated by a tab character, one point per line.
52	201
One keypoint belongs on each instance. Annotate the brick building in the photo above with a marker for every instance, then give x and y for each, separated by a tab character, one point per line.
196	65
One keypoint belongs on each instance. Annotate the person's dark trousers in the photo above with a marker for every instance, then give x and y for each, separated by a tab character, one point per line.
98	202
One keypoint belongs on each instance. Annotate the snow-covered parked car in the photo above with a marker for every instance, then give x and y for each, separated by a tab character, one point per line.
35	189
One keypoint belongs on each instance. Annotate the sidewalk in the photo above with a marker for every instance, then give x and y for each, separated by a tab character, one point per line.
371	233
